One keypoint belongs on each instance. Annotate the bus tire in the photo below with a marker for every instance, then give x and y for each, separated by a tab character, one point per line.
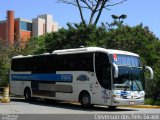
27	94
85	100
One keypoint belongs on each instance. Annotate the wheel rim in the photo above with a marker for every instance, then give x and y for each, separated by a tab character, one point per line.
85	100
28	94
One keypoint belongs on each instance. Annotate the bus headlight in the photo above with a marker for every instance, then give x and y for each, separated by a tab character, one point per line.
116	96
142	96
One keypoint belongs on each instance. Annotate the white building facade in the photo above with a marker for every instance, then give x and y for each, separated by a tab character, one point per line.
43	24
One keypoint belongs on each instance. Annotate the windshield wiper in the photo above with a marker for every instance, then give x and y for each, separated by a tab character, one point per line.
137	85
127	83
133	79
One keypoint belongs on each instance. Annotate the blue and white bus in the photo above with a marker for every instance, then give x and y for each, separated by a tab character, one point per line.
91	76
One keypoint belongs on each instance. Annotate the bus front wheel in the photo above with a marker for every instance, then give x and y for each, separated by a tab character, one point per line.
27	94
85	100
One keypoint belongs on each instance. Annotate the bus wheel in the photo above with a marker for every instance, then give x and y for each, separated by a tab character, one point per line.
112	107
85	100
27	94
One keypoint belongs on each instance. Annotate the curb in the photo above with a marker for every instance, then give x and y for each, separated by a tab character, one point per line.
144	106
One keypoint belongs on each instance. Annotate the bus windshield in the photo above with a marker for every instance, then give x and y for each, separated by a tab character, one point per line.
126	60
130	73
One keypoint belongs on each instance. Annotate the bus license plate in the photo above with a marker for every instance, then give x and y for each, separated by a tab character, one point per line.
131	103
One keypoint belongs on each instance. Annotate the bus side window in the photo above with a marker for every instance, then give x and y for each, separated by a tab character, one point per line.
103	71
75	62
86	62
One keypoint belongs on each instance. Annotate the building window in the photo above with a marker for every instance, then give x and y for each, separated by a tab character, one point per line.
26	26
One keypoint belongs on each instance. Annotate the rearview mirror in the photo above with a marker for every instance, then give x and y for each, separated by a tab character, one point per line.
150	70
115	67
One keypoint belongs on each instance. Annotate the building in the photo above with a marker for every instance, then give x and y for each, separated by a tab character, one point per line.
17	31
43	24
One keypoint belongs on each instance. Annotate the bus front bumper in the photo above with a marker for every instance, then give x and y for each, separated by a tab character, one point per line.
119	102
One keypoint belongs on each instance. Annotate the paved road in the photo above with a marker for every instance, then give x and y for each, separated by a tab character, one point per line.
19	106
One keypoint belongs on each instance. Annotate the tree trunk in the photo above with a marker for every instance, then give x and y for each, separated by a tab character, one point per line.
81	14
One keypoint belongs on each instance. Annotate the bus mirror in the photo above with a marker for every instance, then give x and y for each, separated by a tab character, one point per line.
150	70
115	70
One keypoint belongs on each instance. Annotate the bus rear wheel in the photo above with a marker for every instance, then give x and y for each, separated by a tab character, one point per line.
27	94
85	100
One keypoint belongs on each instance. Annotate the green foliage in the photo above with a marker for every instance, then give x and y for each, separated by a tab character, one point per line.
74	37
150	101
34	46
157	102
4	71
7	52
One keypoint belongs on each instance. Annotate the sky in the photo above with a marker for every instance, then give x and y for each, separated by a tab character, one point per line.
137	11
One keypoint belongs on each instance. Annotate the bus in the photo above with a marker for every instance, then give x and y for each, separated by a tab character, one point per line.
89	75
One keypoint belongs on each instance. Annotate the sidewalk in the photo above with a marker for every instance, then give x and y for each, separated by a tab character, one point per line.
144	106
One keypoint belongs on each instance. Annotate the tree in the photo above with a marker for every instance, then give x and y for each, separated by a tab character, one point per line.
8	51
75	36
94	6
33	46
118	23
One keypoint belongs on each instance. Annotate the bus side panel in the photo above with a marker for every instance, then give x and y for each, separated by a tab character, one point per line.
68	90
83	81
18	87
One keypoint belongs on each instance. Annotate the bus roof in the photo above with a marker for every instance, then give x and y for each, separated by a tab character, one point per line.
93	49
29	56
83	50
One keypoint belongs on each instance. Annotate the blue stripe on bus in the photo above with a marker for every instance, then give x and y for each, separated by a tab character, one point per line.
43	77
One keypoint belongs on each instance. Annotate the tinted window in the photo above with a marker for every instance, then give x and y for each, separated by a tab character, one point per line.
75	62
103	71
22	64
53	63
43	64
26	26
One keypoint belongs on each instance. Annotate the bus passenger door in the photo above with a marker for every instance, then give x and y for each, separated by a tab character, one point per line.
102	85
96	92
